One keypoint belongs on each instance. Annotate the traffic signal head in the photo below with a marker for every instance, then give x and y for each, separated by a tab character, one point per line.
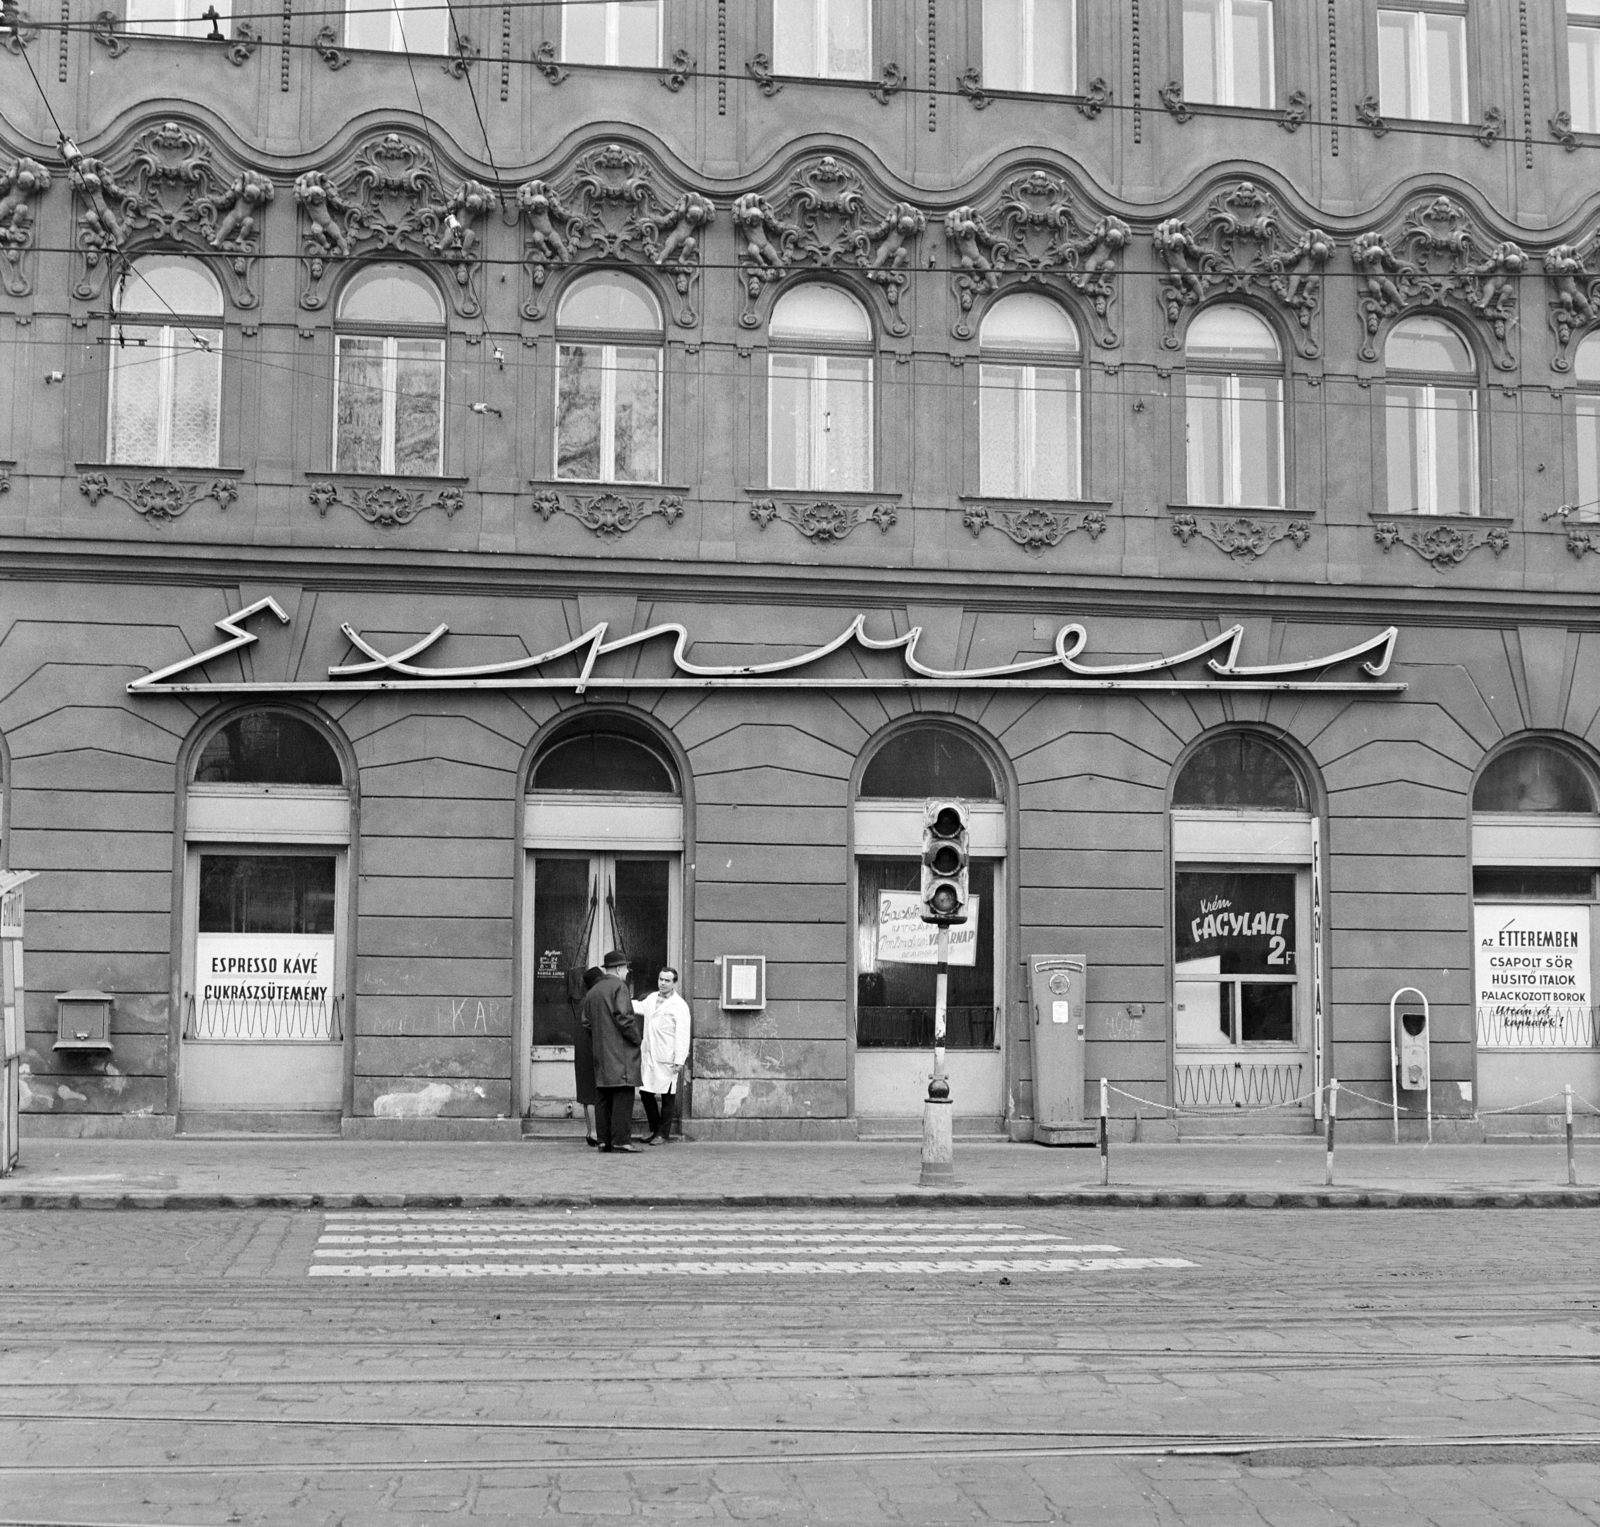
945	852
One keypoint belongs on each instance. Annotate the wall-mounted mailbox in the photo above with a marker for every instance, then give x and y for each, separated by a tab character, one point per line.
83	1021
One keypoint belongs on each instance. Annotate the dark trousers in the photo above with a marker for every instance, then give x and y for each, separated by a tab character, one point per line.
658	1110
613	1115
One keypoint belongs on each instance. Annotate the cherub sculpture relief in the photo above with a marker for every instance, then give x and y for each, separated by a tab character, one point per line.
692	213
902	224
321	200
103	226
542	211
1298	276
755	224
458	242
1568	275
1178	251
964	230
1372	257
240	206
20	182
1497	278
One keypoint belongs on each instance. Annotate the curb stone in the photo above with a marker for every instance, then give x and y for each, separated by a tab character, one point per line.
944	1198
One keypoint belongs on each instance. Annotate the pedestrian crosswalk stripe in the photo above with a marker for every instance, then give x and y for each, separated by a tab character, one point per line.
539	1244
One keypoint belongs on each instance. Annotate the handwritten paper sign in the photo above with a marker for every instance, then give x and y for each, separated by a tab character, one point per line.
904	939
264	986
1533	975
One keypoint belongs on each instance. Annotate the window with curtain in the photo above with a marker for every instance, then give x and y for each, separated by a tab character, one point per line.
389	384
616	32
1535	777
1234	410
166	365
1586	369
1583	64
1029	406
398	26
826	39
1422	61
1430	419
608	392
1030	45
819	388
175	18
1227	52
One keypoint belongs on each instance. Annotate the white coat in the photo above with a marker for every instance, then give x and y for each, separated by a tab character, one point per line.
666	1041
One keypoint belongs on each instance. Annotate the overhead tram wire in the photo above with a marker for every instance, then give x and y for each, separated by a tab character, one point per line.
1407	127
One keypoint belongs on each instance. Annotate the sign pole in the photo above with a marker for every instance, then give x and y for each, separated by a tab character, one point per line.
938	1144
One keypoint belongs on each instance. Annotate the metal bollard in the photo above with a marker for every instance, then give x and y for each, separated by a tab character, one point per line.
1105	1133
1572	1165
1333	1119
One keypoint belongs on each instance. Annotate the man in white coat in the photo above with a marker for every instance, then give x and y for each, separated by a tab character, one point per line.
666	1049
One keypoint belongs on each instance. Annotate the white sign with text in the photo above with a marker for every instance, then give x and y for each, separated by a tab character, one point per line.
904	939
1533	975
264	986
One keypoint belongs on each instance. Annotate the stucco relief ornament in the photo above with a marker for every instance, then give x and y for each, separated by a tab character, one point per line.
1441	546
1034	529
1031	233
20	34
1574	299
825	522
824	217
22	183
1243	539
387	505
617	206
1437	258
608	515
1243	242
388	197
168	189
159	498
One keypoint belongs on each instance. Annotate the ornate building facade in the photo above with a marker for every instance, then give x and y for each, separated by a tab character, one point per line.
486	484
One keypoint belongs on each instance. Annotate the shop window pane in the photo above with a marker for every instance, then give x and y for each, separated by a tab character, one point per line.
789	423
602	760
1234	922
268	748
925	761
1266	1013
1532	884
565	901
1583	73
1204	1013
418	406
895	1002
1534	778
265	893
639	916
637	425
578	413
1237	771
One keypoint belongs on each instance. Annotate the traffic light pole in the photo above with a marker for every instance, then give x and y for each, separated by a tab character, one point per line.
938	1144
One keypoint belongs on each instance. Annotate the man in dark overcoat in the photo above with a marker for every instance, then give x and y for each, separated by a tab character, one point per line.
616	1033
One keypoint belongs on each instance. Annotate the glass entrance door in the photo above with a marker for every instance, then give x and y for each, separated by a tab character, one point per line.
583	906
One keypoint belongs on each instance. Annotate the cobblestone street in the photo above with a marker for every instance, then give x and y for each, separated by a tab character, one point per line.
1124	1366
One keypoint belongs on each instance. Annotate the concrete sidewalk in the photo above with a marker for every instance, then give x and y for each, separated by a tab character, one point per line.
266	1172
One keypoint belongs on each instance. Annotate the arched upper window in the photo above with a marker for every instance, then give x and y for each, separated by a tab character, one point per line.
1239	772
1586	369
389	389
1431	419
608	394
1029	408
604	753
398	26
819	388
1234	392
1535	777
166	365
268	748
923	761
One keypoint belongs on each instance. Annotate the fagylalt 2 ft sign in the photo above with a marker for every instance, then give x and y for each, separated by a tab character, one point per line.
1533	976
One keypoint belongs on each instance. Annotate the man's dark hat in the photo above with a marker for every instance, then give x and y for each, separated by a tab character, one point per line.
591	975
615	957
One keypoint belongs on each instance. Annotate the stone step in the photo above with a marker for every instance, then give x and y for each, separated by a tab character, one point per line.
228	1122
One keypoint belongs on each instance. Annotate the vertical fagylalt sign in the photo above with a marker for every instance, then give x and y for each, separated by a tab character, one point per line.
1533	976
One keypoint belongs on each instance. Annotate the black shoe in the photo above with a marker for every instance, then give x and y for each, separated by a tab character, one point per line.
653	1140
590	1140
632	1150
607	1149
